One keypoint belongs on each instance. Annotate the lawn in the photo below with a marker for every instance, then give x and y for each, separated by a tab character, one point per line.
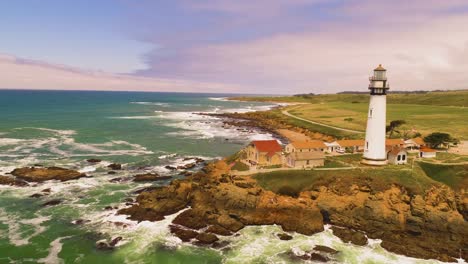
379	179
446	157
424	119
424	112
455	176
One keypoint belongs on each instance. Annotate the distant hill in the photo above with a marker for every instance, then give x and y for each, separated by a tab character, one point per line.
441	98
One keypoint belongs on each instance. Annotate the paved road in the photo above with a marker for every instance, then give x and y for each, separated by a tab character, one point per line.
284	112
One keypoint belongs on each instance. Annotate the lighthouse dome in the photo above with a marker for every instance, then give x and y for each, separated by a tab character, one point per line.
380	68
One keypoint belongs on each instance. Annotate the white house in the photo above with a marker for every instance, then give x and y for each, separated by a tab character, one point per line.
397	155
332	146
427	153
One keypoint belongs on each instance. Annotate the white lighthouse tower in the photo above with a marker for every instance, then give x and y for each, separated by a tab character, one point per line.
374	149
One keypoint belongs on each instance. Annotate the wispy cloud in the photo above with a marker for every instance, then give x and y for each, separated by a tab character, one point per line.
19	73
278	46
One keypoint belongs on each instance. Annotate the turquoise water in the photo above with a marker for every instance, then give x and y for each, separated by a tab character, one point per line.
144	132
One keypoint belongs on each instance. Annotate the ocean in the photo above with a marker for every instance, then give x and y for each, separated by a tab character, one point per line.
145	132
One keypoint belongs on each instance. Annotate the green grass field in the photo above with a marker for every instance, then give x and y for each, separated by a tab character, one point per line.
455	176
426	113
379	179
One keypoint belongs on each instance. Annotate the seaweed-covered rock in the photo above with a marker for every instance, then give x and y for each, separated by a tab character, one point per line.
33	174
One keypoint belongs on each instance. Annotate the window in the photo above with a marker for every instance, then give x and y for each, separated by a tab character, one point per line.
399	157
370	113
404	157
308	162
367	145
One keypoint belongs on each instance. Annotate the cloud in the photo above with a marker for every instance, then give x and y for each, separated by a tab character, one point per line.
19	73
422	43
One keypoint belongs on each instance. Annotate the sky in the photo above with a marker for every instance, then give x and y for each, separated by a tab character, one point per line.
237	46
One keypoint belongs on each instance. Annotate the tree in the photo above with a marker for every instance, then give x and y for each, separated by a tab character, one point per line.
393	125
437	138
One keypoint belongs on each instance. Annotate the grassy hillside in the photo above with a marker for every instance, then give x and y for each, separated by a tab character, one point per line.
380	179
455	176
426	113
449	98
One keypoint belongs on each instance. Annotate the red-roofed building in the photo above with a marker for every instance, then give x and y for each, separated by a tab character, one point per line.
265	152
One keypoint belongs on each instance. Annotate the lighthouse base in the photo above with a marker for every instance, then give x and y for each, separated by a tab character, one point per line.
374	162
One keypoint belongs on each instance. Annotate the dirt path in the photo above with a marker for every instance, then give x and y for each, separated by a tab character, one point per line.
285	112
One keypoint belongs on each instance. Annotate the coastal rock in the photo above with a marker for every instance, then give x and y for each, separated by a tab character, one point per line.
184	234
206	238
115	166
32	174
428	224
150	177
325	249
284	236
347	235
171	168
108	245
4	180
52	202
218	230
93	160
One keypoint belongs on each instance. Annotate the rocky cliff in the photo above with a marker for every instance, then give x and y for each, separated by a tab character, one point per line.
432	225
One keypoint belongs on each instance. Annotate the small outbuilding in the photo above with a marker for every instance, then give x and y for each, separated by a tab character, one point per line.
306	159
414	143
332	146
306	146
397	155
427	153
351	145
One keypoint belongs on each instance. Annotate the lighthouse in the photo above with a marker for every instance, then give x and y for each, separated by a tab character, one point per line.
374	148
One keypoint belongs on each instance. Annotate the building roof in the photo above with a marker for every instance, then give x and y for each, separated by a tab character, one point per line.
380	68
267	146
425	149
394	141
307	155
309	144
331	144
350	142
395	150
419	141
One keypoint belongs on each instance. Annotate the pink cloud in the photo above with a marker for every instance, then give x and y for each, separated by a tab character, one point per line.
18	73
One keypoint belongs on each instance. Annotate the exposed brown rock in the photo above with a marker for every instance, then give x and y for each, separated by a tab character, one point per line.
218	230
422	225
325	249
207	238
93	160
150	177
33	174
4	180
284	236
184	234
348	235
115	166
52	202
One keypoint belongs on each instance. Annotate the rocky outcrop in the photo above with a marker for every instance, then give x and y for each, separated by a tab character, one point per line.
223	207
33	174
115	166
5	180
93	160
150	177
429	224
425	225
